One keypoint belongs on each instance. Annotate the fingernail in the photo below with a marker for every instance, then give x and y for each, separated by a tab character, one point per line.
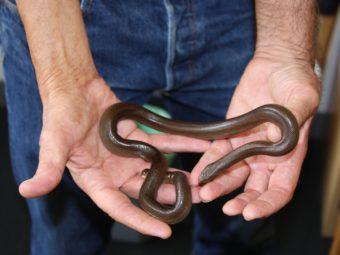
274	133
229	211
250	215
205	199
24	189
164	234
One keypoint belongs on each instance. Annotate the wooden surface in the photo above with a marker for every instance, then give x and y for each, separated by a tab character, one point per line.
326	24
335	249
331	194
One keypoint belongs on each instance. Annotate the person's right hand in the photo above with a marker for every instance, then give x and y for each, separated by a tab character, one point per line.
70	137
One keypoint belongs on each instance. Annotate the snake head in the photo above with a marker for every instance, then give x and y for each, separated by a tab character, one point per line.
212	170
208	173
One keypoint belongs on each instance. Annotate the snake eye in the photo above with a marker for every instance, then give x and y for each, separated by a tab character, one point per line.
169	178
145	172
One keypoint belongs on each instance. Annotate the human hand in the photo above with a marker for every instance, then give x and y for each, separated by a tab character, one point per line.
70	137
269	181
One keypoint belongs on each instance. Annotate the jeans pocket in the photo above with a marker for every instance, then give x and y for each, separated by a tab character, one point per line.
85	6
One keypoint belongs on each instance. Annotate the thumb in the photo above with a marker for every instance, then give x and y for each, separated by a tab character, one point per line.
302	107
53	155
302	111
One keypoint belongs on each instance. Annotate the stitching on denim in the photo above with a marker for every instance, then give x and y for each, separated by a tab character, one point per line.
10	6
194	35
85	6
171	44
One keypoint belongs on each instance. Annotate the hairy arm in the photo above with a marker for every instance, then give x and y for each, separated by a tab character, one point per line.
286	28
58	44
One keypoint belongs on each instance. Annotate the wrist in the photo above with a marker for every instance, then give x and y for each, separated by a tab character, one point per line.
66	80
62	62
284	53
63	69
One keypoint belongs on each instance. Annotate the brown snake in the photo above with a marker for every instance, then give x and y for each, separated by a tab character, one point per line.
158	172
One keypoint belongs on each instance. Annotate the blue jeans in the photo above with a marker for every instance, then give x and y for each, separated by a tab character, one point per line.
191	53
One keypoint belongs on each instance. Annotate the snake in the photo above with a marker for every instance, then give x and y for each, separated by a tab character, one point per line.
158	172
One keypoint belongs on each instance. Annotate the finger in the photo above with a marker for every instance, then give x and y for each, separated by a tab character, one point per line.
282	184
119	207
304	99
228	181
268	203
298	89
274	133
237	204
52	160
216	151
256	184
166	193
171	143
126	127
176	143
165	142
122	169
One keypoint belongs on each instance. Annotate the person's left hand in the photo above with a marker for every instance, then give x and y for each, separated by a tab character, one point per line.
269	181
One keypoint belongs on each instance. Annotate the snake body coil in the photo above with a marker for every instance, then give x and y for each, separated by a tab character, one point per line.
275	114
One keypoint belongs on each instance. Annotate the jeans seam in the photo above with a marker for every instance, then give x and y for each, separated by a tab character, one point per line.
85	6
169	75
193	41
10	6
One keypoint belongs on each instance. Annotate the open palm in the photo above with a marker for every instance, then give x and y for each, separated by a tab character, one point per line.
70	138
269	181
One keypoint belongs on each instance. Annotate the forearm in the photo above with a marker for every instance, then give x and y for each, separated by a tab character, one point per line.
286	28
58	43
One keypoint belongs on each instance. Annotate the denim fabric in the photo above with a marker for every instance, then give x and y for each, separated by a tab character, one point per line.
191	53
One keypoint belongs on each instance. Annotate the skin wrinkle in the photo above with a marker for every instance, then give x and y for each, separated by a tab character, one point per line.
257	214
260	178
247	197
226	183
253	192
229	178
